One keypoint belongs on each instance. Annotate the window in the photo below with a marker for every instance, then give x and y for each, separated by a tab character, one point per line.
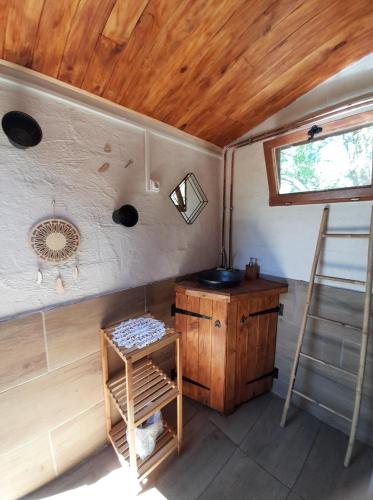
335	165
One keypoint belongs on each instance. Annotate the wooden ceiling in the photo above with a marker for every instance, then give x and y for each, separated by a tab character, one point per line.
214	68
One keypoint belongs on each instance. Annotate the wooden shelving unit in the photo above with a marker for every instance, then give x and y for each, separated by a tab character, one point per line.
139	392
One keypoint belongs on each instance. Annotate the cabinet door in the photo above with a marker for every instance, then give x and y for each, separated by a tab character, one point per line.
256	345
196	339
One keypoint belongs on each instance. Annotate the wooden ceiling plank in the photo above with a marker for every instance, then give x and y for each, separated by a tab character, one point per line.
243	28
21	30
305	38
123	19
87	26
4	4
173	34
280	32
333	55
315	33
293	85
54	27
156	14
103	61
112	42
172	73
206	125
296	85
238	80
226	135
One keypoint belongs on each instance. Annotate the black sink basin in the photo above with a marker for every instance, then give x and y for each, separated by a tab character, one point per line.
221	278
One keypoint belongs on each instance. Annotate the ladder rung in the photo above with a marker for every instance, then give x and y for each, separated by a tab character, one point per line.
345	235
321	405
343	280
353	327
324	363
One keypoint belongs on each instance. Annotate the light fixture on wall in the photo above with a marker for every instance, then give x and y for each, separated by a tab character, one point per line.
127	216
22	130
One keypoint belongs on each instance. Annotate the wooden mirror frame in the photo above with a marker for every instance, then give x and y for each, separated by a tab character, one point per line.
327	196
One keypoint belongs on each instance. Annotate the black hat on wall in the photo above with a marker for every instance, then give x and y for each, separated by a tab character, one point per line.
126	215
22	130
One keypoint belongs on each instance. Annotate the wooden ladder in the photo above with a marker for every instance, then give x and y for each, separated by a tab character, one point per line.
359	376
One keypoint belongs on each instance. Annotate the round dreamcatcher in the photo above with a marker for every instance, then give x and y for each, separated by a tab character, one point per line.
55	240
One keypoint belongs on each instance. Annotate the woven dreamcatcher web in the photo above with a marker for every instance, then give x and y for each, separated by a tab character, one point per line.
55	240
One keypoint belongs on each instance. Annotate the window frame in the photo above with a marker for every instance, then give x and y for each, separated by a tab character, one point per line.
331	128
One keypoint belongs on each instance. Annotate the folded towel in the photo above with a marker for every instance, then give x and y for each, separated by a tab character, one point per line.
138	332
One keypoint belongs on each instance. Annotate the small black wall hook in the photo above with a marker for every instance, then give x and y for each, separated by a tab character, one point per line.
315	129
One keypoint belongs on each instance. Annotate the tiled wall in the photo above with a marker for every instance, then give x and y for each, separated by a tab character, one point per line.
51	385
334	344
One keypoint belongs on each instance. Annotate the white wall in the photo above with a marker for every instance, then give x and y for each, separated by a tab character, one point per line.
64	167
283	238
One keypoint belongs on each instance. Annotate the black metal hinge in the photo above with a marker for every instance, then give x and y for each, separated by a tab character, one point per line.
191	381
279	309
177	310
273	373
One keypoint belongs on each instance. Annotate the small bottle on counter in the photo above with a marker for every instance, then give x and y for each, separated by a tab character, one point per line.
252	269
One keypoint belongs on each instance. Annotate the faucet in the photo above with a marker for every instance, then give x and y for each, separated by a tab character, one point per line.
224	259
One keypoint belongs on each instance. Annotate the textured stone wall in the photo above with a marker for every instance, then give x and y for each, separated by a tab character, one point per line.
67	166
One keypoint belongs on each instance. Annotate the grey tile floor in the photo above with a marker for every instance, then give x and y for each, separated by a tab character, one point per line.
246	455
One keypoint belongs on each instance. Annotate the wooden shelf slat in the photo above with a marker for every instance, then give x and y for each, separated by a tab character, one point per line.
142	367
119	382
150	393
166	443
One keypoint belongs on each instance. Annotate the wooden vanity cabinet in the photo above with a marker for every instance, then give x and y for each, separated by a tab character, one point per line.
228	340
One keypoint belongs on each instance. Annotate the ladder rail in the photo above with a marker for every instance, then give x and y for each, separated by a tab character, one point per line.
363	349
311	285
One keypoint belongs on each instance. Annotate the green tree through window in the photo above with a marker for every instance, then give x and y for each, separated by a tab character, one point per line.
338	161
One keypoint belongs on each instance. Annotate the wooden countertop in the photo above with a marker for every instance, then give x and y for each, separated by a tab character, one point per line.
256	287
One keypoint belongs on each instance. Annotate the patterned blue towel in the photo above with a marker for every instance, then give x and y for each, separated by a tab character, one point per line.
138	332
